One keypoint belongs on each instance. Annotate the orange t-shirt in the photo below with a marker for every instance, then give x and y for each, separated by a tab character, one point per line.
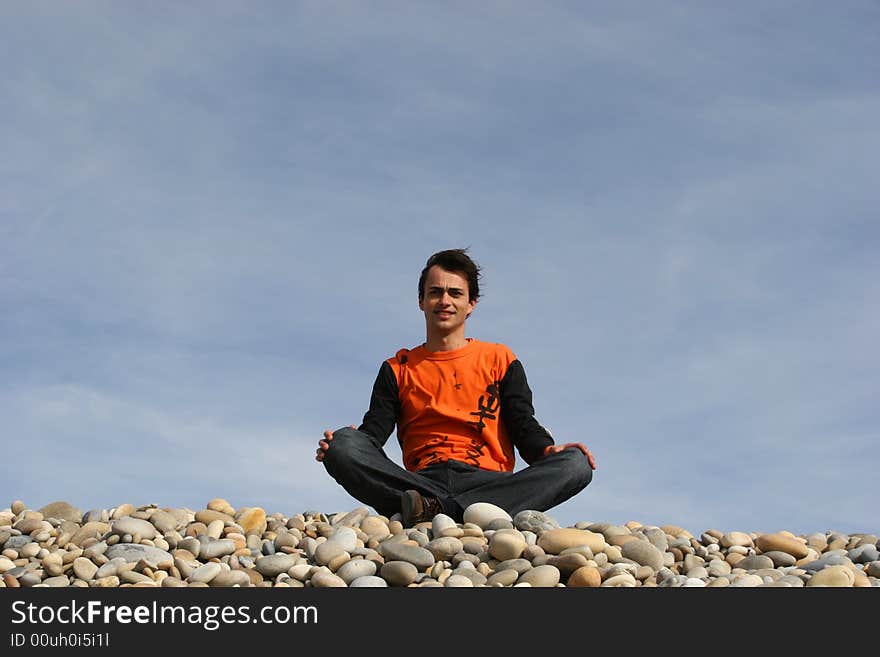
450	403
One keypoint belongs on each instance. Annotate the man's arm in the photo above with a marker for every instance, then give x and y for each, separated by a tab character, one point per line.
384	409
518	415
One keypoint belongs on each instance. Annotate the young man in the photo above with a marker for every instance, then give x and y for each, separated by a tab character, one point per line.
461	406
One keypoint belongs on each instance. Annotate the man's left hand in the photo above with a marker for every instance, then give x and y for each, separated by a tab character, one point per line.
553	449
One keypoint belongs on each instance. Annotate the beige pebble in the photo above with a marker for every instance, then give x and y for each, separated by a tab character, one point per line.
106	582
737	538
585	576
84	568
121	511
838	576
507	544
621	579
252	520
541	576
782	542
554	541
221	505
324	579
53	564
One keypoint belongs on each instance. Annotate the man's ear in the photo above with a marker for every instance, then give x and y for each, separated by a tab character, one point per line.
473	305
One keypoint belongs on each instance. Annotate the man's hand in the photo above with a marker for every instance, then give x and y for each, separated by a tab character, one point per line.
553	449
324	445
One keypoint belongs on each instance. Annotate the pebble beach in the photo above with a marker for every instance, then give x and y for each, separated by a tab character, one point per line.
58	545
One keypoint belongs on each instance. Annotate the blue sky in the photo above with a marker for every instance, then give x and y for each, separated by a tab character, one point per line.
213	217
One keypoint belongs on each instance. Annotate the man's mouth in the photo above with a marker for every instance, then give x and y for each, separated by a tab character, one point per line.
444	315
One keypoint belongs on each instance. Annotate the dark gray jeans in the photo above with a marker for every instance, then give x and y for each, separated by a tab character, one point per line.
359	464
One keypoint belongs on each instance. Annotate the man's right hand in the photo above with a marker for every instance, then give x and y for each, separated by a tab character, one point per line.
324	445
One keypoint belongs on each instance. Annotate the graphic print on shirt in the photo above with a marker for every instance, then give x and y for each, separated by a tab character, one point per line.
474	452
487	407
434	456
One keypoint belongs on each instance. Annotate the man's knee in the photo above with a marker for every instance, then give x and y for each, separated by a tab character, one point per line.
577	468
347	444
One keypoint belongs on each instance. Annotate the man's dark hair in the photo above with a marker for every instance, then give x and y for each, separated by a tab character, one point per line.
459	262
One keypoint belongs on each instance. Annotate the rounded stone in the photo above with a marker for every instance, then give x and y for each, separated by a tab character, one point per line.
84	568
838	575
718	568
555	541
780	559
534	521
130	525
506	577
327	552
476	577
569	562
737	538
444	548
398	573
62	511
228	578
506	544
375	527
482	513
221	505
52	564
122	510
326	580
133	552
781	543
748	580
207	516
164	522
275	564
352	518
111	581
458	581
518	565
215	529
419	557
626	580
355	568
210	548
643	553
755	562
440	523
89	530
540	576
344	536
252	520
206	572
585	576
368	581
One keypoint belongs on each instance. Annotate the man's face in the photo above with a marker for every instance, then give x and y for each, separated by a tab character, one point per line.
446	302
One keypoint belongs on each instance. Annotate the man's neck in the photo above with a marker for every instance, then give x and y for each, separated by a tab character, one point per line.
446	342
